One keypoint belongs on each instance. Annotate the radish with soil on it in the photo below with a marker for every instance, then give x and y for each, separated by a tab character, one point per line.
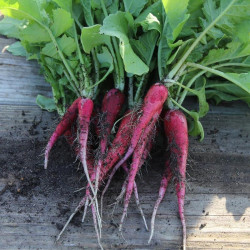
117	148
137	161
142	134
176	131
152	104
65	124
111	106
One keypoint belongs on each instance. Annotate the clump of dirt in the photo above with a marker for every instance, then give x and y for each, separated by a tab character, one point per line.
22	167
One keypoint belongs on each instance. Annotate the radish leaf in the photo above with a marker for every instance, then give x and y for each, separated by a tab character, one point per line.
134	6
231	51
46	103
17	49
34	33
10	27
151	23
25	9
66	44
120	25
59	27
176	17
145	46
86	4
65	4
91	37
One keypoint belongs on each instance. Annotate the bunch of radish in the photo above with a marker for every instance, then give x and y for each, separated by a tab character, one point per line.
119	49
134	137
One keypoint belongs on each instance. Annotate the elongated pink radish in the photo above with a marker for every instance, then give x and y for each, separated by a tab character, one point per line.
94	214
115	152
144	157
64	125
164	183
120	143
96	119
70	137
137	199
153	103
85	108
111	107
146	137
176	131
118	146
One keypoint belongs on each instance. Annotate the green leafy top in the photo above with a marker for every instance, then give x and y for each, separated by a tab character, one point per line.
197	47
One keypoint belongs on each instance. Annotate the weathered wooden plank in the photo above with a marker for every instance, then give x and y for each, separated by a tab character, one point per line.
20	81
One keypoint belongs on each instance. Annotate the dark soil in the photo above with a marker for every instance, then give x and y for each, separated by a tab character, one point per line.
22	164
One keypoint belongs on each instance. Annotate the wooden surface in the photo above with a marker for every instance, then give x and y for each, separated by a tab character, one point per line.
217	205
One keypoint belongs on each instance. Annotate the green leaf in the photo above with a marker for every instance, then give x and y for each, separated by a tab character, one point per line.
105	58
225	91
176	17
106	61
164	53
34	33
145	46
231	51
10	27
17	49
194	9
134	7
219	96
195	126
237	12
241	80
243	31
155	9
59	27
25	9
45	103
151	23
65	4
86	4
120	25
200	51
91	37
66	44
194	5
203	105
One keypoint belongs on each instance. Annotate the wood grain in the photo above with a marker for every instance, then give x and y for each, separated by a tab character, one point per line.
217	205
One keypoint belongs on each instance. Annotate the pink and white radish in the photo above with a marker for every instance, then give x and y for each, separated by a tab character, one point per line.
176	131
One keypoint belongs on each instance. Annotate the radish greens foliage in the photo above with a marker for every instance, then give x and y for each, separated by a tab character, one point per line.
196	47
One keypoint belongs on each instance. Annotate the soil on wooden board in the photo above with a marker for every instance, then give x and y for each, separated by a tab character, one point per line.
23	175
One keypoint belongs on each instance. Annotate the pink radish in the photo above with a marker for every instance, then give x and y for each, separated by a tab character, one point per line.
63	126
85	108
111	107
137	200
164	183
153	103
146	138
176	131
116	150
120	143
